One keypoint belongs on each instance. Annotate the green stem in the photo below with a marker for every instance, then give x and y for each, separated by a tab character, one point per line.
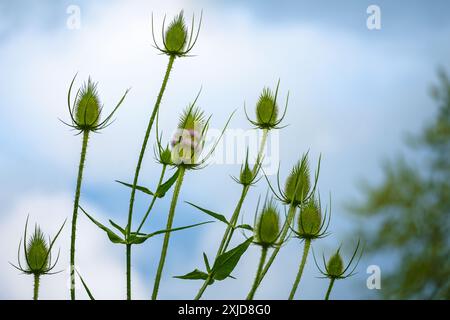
203	288
36	287
262	260
173	206
141	157
150	207
233	221
75	212
327	296
234	218
284	232
300	270
128	253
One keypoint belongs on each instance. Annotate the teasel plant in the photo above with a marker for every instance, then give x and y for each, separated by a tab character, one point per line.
86	118
186	154
178	42
38	255
268	117
335	269
312	224
266	233
298	190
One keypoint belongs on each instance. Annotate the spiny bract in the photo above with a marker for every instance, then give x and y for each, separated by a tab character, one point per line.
37	252
309	220
176	35
268	228
87	106
267	109
298	183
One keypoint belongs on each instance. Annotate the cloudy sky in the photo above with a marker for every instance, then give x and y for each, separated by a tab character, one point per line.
354	94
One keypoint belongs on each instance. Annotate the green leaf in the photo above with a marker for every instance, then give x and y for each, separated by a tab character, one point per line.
244	226
140	188
135	239
227	261
194	275
115	225
162	189
85	287
218	216
111	235
205	258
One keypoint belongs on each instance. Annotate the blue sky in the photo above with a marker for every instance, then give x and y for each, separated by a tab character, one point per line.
354	94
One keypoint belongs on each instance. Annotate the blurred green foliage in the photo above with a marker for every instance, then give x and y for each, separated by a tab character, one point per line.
411	209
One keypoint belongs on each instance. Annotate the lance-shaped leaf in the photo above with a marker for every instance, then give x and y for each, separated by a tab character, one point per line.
205	258
115	225
244	226
194	275
215	215
136	239
227	261
85	287
162	190
111	235
139	188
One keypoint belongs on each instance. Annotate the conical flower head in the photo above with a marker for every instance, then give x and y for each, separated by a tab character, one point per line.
176	35
87	106
189	138
309	220
335	266
37	252
268	227
298	183
267	109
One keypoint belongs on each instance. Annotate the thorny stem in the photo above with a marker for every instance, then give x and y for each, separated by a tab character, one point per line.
284	232
234	218
153	199
75	212
262	260
36	287
300	270
128	253
173	206
327	296
141	157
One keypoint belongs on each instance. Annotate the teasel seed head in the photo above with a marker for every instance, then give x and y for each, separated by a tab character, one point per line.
298	183
85	111
87	106
335	265
37	252
177	39
267	229
189	139
267	109
176	35
310	220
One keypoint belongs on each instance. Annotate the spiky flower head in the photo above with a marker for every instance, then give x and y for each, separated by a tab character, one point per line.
298	183
268	227
335	266
165	156
38	258
309	220
267	109
189	139
37	253
176	34
87	106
